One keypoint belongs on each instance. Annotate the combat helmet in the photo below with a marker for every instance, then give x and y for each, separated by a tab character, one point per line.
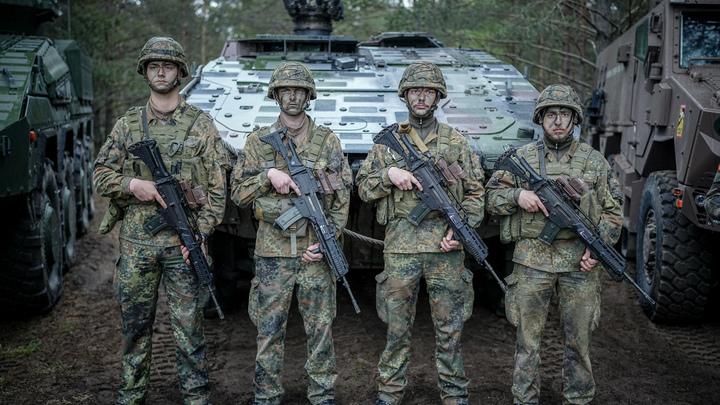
558	95
422	74
163	48
292	74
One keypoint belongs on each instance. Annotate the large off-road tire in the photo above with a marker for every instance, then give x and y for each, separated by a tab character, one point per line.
82	195
82	174
69	212
31	249
672	255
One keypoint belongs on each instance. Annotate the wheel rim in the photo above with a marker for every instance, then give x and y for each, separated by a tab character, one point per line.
649	245
53	248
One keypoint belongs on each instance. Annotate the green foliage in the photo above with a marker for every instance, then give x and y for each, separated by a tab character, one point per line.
21	352
557	39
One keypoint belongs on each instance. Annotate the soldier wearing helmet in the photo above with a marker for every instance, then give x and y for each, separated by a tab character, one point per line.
287	261
191	149
425	248
564	266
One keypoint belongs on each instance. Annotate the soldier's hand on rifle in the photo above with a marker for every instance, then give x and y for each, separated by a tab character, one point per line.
186	252
145	190
530	202
309	256
282	182
447	244
587	263
403	179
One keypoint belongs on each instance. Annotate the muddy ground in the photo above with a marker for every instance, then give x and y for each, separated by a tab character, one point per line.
72	355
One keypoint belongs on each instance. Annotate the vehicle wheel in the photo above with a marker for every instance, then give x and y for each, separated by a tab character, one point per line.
69	212
31	277
83	193
672	255
89	185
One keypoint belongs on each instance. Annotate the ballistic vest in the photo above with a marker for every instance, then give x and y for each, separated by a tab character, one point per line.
523	224
270	206
400	203
176	147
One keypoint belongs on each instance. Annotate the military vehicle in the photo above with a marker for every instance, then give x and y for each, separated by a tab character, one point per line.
655	111
488	101
45	156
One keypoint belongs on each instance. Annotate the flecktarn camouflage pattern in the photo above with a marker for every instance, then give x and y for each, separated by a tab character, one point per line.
146	259
292	74
271	295
450	289
166	49
422	74
540	269
558	95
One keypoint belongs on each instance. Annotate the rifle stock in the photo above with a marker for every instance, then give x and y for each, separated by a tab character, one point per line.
436	196
309	206
563	213
177	214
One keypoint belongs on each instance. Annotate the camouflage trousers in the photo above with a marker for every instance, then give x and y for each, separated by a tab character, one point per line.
526	306
451	295
137	278
271	294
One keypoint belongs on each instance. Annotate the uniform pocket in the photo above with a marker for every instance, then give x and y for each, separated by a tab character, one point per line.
468	293
512	312
381	296
253	303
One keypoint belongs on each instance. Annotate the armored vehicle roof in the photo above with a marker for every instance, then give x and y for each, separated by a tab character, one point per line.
488	101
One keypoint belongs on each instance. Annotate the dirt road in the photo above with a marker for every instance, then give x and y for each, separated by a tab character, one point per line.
71	356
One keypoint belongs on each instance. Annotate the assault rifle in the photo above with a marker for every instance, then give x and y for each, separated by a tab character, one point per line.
435	196
559	198
177	214
308	205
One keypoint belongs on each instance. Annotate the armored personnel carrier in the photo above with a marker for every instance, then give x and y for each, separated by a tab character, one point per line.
488	101
656	112
45	156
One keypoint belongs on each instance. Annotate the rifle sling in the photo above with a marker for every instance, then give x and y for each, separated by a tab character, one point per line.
146	128
417	141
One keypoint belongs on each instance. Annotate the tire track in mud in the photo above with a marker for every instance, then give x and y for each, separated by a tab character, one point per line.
698	343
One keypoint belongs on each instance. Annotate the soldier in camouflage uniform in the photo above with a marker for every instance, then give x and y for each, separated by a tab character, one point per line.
192	150
712	199
426	250
565	266
284	260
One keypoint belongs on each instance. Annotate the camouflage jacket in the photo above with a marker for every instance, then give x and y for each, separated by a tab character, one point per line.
400	235
564	254
110	182
250	182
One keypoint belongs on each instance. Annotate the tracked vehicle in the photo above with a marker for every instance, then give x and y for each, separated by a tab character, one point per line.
45	156
488	101
655	112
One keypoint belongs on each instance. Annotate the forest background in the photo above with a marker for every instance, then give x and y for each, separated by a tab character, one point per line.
557	40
